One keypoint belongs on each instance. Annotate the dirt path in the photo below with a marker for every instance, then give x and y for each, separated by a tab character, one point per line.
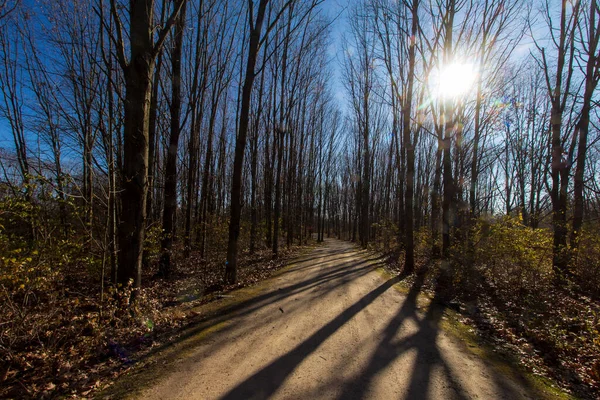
329	327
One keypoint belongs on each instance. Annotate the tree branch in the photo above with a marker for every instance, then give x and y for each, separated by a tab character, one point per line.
162	36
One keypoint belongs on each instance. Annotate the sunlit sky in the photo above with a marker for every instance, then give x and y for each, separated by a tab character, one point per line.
334	9
337	10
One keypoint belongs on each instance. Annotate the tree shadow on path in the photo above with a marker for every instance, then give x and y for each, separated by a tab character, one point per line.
423	341
428	355
265	382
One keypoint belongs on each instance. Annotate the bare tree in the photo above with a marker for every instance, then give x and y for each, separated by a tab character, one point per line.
360	81
589	42
256	39
11	88
171	165
558	79
138	72
7	7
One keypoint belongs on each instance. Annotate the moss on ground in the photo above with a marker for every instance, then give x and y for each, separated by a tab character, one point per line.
213	318
502	363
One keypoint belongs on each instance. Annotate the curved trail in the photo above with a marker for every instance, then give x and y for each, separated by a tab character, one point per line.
331	327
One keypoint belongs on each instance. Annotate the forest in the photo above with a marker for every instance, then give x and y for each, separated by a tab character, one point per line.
159	153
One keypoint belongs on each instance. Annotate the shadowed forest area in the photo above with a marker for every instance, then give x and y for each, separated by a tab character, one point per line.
157	154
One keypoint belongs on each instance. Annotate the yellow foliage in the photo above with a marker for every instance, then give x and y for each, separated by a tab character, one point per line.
586	261
512	255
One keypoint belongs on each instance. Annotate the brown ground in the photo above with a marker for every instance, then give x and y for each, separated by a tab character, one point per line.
328	327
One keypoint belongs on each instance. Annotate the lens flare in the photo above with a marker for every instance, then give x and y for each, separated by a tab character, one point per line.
454	80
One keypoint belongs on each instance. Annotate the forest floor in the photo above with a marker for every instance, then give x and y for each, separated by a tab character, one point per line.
333	324
72	340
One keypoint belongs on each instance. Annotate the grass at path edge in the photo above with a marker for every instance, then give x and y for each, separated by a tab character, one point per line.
151	368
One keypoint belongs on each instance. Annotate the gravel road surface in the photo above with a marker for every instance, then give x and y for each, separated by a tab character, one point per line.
330	327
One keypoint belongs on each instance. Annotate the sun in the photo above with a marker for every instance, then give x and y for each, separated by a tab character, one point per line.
454	80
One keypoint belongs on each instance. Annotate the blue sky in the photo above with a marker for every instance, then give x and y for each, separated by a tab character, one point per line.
334	9
337	9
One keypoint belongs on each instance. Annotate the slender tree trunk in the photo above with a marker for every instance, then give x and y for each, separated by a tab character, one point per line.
409	142
280	137
268	190
449	196
435	200
138	93
476	139
240	144
254	161
206	178
170	202
559	159
254	183
153	137
591	81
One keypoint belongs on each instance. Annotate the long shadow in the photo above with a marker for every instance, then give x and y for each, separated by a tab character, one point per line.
423	341
269	379
327	261
265	382
341	274
320	254
336	260
323	286
387	350
328	279
352	271
428	355
345	270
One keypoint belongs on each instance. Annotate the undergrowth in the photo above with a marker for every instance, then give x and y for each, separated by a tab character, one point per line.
64	330
503	283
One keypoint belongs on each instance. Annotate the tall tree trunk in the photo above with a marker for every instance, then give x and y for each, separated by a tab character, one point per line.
198	91
254	160
152	136
280	137
204	195
476	139
409	142
138	89
591	81
240	143
138	84
435	199
152	141
268	190
170	202
254	183
449	195
559	160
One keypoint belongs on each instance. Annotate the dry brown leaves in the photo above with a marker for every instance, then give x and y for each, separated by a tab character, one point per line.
70	343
